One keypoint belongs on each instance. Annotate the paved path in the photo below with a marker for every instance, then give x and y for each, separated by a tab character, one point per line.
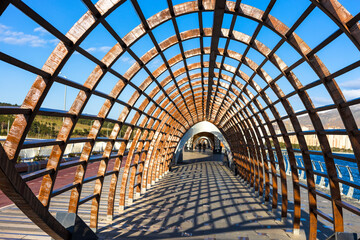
199	199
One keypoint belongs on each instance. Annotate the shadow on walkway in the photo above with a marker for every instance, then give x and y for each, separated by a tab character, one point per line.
203	200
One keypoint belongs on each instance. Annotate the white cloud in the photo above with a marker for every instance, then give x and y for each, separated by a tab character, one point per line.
351	93
350	89
350	84
40	30
124	59
127	60
8	36
54	41
3	27
321	100
90	50
103	49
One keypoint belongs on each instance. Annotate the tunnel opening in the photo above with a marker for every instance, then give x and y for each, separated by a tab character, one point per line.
202	146
205	139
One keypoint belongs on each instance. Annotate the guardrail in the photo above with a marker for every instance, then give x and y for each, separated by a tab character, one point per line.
30	154
344	172
35	159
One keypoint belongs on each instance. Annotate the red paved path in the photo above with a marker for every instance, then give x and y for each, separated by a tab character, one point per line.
64	177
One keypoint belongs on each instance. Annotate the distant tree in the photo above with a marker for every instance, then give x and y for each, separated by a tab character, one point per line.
85	131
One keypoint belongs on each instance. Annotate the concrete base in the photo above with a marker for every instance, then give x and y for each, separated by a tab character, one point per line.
109	218
143	190
137	195
130	201
148	186
296	231
121	209
153	182
78	228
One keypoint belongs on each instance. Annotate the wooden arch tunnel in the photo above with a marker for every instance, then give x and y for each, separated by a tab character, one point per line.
200	137
258	127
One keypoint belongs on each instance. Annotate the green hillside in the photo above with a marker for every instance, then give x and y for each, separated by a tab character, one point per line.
48	127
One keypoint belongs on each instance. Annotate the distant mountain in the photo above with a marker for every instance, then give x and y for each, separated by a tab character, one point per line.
330	119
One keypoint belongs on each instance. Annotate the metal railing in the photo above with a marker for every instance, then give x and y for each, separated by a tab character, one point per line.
345	172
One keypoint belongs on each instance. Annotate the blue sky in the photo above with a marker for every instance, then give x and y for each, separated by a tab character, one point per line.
24	39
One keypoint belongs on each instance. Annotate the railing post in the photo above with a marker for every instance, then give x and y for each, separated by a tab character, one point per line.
340	176
288	170
322	179
302	175
350	193
314	167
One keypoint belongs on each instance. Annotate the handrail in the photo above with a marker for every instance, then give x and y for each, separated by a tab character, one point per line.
345	177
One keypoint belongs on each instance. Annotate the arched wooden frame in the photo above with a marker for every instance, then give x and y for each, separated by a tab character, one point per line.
98	13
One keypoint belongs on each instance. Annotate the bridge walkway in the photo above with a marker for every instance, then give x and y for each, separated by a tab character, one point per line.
198	199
